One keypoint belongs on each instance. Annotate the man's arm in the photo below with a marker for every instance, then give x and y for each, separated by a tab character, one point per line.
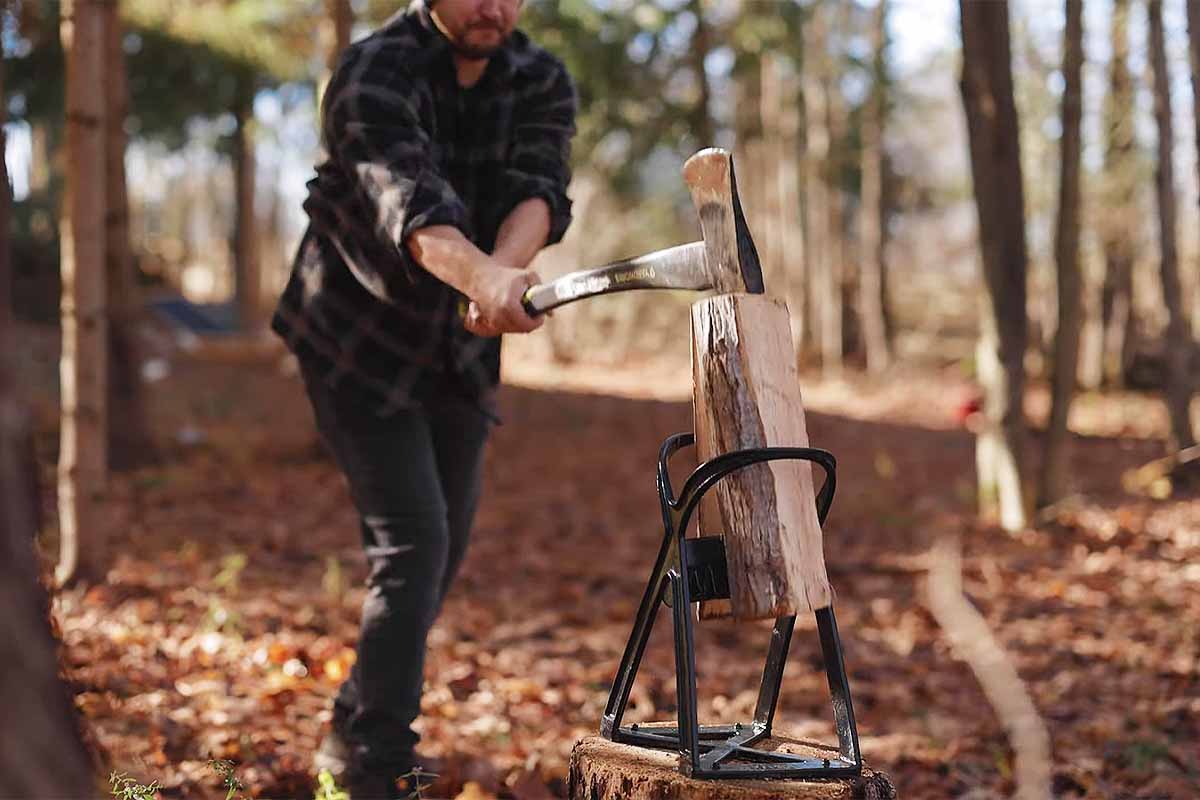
373	131
537	176
523	233
495	288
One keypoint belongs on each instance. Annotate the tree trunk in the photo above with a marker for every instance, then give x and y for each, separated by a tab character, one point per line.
833	324
1178	389
701	44
129	440
41	751
1118	215
39	158
824	288
82	465
1193	24
336	30
994	138
780	176
604	770
1066	254
247	278
871	211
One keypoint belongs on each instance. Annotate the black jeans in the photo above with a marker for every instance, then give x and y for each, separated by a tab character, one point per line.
415	480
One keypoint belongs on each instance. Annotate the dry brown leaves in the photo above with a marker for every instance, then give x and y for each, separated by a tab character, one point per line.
230	612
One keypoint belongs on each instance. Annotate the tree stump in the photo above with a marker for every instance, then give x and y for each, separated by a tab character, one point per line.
604	770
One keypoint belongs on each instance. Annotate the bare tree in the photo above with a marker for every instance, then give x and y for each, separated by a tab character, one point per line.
1178	388
1118	220
1066	255
821	220
701	44
1193	17
129	440
83	460
780	179
994	138
871	213
41	751
246	268
335	35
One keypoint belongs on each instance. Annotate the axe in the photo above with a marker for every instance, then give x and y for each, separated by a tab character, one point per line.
725	260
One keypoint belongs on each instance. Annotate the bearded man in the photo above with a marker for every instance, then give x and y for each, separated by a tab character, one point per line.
446	138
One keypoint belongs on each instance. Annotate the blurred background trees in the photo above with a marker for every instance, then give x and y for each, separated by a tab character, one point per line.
879	195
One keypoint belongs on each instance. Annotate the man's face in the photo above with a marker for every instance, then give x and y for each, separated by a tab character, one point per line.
476	28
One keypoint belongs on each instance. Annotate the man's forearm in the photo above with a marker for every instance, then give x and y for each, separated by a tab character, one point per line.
450	256
523	233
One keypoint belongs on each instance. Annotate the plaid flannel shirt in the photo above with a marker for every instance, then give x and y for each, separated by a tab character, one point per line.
406	147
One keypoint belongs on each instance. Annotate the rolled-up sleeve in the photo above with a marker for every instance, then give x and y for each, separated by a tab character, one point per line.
539	159
373	132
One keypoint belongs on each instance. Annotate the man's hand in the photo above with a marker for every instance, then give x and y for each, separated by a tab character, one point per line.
496	306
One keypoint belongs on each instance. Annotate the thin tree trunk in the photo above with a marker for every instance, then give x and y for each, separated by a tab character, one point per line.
781	182
39	158
129	440
825	289
871	212
1118	215
994	138
1178	389
335	34
835	304
247	278
701	44
1066	255
1193	23
82	465
816	206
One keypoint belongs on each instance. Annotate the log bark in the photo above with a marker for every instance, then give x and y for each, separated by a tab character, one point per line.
746	393
604	770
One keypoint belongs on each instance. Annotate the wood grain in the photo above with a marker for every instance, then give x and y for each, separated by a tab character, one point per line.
746	393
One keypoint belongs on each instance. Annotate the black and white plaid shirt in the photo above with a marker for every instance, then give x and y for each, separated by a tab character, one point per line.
405	148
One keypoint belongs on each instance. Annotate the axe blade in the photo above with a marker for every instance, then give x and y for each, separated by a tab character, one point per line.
680	267
732	259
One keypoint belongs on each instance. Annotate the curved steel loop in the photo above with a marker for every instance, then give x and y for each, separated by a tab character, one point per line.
707	474
670	447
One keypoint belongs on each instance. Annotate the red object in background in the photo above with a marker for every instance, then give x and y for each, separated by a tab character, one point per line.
968	406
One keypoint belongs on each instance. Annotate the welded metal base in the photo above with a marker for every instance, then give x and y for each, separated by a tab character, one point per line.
691	570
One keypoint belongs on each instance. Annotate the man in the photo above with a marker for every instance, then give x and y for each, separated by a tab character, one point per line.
447	135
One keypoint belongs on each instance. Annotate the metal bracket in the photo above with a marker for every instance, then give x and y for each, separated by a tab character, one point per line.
690	570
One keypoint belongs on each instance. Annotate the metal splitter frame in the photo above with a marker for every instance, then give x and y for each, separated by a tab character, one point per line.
690	570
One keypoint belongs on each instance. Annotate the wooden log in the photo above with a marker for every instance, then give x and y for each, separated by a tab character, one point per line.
746	393
604	770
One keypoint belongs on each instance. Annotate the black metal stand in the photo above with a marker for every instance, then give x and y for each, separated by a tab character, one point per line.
690	570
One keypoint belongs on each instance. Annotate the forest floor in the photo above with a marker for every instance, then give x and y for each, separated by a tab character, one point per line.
230	609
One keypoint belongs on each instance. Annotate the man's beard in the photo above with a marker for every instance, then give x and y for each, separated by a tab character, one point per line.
473	51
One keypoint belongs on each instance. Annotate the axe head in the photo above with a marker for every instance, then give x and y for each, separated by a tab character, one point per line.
731	259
